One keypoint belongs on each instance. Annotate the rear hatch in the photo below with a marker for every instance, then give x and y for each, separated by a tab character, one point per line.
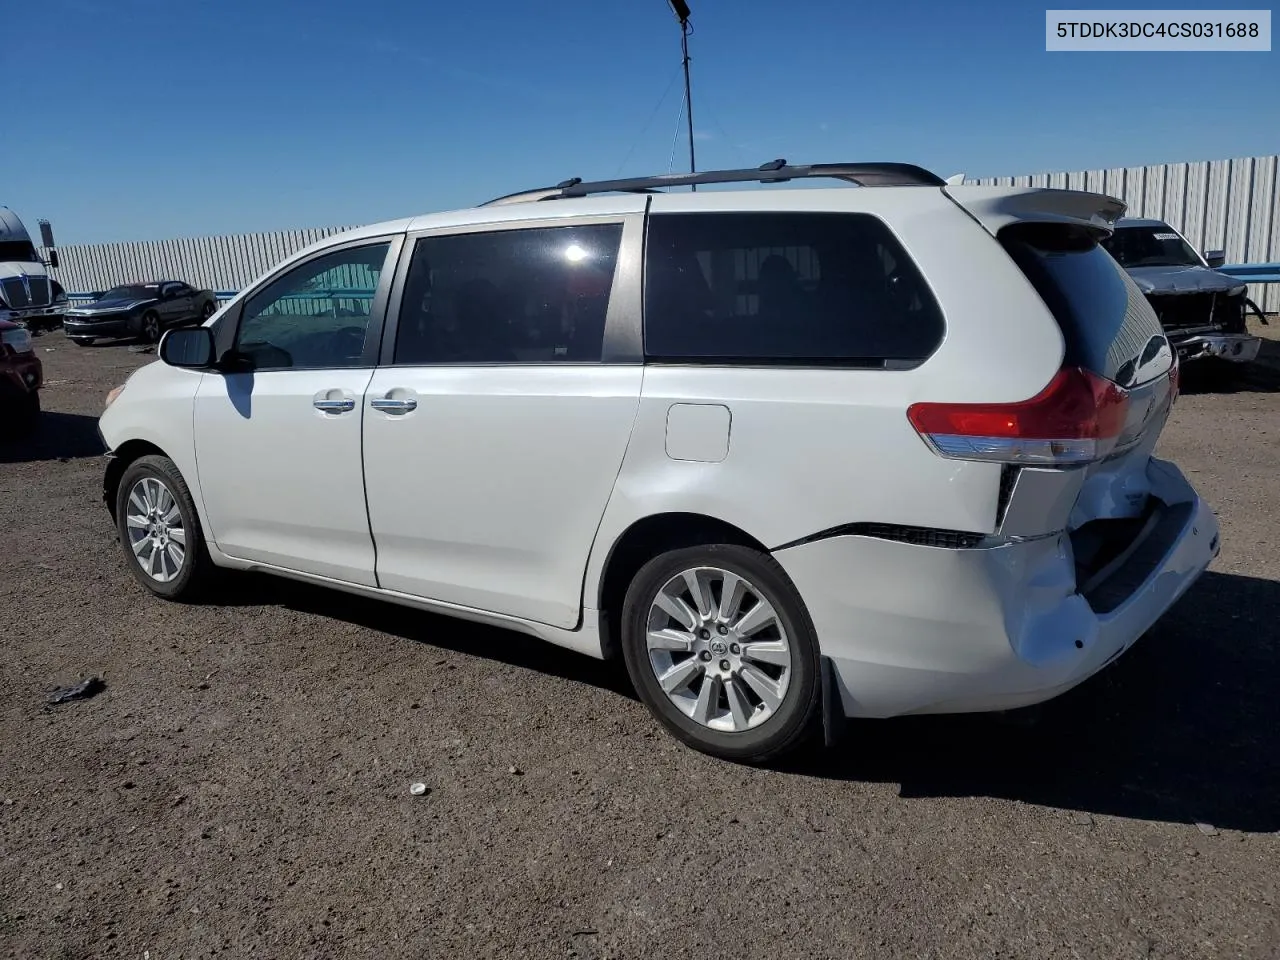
1076	456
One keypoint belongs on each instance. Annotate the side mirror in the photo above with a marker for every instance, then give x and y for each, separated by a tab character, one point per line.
188	347
53	259
1215	258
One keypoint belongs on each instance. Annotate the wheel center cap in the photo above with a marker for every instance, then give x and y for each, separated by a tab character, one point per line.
719	648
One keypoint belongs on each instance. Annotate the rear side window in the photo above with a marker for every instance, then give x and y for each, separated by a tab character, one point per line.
1108	325
534	295
807	288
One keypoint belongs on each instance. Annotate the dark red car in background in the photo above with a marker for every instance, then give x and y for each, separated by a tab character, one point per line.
21	377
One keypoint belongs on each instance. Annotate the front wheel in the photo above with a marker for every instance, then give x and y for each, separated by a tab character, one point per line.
722	651
160	530
20	416
29	414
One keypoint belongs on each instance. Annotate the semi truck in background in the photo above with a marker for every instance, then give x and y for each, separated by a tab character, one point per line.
28	293
30	301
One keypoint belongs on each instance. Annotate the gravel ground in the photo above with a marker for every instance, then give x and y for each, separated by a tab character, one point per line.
242	786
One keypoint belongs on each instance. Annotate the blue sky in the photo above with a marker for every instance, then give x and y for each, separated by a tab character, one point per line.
147	119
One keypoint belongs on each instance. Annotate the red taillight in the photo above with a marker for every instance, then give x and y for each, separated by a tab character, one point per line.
1077	418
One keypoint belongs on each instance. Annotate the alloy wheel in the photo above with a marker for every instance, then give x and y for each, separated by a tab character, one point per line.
156	534
718	649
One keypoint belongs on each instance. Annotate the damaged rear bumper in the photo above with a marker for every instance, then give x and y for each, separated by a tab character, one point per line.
916	629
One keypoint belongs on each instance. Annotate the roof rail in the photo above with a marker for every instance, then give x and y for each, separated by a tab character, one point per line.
775	171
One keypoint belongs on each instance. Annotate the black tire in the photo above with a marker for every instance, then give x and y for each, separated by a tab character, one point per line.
29	414
149	328
197	572
797	716
1211	374
19	415
82	341
1215	374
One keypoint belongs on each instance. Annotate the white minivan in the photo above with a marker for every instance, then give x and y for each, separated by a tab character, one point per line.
792	453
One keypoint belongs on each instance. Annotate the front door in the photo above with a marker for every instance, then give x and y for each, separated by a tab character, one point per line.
494	432
278	434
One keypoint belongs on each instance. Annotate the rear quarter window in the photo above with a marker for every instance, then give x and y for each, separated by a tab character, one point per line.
1107	323
788	288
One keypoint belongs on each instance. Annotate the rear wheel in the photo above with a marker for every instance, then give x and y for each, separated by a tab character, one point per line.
150	329
721	649
160	530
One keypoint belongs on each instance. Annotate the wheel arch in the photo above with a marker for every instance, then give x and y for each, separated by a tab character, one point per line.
643	540
127	453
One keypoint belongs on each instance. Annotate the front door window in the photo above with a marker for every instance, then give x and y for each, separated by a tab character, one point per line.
316	315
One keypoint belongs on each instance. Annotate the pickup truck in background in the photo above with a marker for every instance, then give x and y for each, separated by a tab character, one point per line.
1202	311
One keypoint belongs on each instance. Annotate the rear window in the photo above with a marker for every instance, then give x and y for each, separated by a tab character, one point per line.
1108	325
791	288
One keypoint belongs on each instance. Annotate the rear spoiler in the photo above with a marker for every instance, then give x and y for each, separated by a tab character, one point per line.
998	207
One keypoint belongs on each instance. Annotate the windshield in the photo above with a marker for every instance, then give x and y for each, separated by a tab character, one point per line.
20	250
1150	247
133	291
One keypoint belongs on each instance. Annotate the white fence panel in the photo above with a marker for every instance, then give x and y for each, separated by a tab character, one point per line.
1231	205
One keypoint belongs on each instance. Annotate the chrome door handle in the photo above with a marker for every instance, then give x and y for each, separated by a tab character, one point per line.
334	406
387	405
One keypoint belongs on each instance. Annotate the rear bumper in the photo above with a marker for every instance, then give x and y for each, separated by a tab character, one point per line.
911	629
85	327
1240	348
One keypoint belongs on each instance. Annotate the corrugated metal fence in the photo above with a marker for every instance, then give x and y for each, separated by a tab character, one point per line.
216	263
1231	205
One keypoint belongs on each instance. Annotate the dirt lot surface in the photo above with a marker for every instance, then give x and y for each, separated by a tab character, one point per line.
241	789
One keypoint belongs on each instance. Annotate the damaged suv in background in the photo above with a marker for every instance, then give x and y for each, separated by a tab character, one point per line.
1202	311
